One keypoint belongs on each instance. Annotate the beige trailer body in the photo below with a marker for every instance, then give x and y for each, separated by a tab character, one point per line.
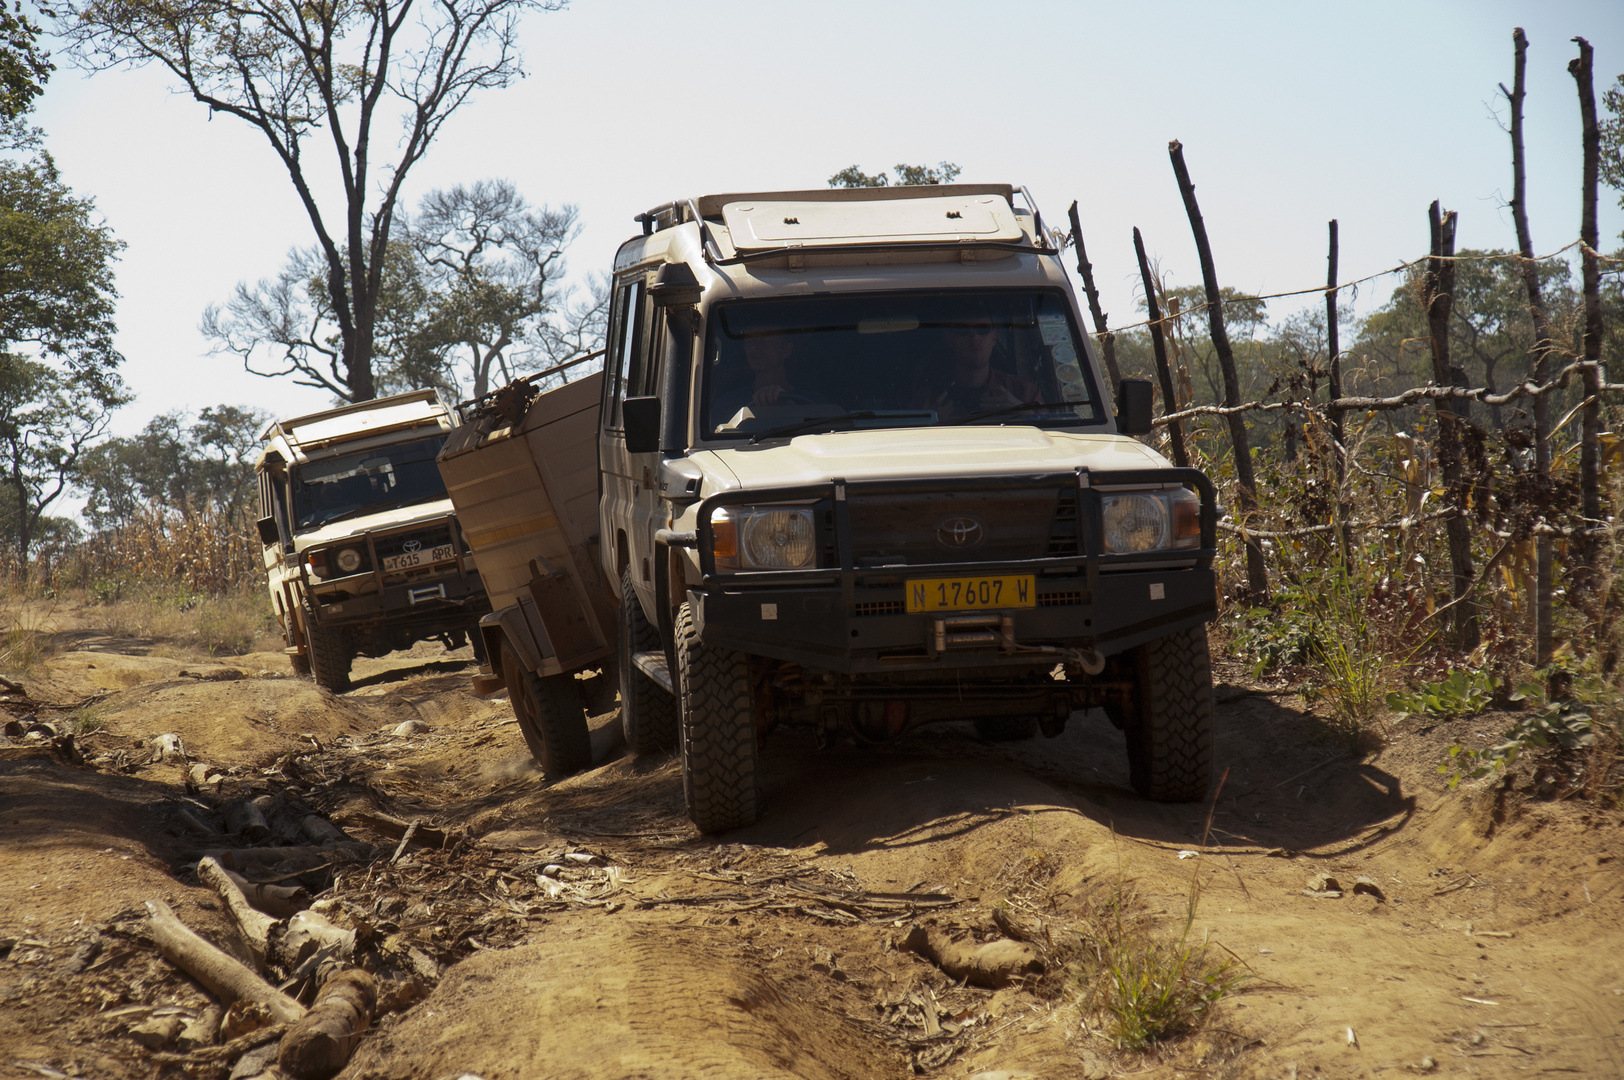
526	493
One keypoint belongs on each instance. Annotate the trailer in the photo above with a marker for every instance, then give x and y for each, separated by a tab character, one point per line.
522	472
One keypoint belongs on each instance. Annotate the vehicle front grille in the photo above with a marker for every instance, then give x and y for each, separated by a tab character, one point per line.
916	529
879	607
1060	599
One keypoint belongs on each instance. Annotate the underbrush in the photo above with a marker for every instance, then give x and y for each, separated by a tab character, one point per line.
26	633
224	625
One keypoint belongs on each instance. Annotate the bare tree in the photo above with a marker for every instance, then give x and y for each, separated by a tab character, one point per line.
300	71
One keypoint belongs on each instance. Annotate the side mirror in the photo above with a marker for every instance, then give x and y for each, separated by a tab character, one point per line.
675	286
641	419
1133	406
268	533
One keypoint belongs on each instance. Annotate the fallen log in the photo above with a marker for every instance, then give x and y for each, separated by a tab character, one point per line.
320	830
319	1045
255	927
993	965
222	975
280	901
244	818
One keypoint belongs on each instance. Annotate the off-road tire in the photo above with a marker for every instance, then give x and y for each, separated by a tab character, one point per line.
551	715
1169	732
327	653
719	774
1006	728
648	715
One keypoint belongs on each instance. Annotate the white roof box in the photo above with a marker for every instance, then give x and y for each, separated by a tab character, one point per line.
362	419
766	224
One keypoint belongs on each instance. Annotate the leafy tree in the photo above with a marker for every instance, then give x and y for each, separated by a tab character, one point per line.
58	368
1611	130
469	292
488	260
176	464
303	72
24	66
852	176
47	422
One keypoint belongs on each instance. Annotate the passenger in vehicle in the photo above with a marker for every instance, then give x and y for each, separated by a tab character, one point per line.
974	383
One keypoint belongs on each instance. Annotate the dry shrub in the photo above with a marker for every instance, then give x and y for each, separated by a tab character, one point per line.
26	633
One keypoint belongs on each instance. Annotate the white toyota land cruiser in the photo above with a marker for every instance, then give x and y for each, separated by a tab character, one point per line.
859	474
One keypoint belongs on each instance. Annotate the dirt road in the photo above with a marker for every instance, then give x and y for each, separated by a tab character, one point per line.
583	929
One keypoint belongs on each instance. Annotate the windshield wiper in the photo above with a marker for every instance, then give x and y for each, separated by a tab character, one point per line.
861	414
1025	406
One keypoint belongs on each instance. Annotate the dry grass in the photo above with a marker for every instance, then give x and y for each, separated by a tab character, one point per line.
229	625
26	631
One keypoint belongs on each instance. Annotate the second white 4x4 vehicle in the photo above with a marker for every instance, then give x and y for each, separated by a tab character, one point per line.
859	474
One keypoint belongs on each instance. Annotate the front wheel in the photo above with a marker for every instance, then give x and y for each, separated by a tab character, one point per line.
719	775
551	716
648	715
327	651
1169	731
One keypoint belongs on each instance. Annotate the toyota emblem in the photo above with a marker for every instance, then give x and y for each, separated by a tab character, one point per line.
959	532
412	545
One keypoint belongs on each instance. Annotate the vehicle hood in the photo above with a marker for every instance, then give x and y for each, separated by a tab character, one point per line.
398	517
921	453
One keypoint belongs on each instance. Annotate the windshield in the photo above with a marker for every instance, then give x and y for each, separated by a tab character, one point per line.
894	359
375	479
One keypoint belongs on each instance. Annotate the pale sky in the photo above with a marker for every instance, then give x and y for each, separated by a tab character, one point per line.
1290	114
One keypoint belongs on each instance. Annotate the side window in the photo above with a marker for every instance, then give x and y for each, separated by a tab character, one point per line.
644	378
625	330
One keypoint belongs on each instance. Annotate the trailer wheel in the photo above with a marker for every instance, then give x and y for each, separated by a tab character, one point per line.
1169	732
718	732
551	717
1006	728
648	715
328	654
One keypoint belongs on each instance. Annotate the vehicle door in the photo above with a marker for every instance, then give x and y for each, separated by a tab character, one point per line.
630	370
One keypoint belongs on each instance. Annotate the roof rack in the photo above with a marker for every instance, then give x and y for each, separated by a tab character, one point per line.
681	211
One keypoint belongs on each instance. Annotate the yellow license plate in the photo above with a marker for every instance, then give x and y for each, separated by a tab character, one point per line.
971	593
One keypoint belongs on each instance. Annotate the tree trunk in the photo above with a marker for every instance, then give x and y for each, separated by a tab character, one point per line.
1438	298
1257	574
1175	428
1101	326
1541	367
1589	457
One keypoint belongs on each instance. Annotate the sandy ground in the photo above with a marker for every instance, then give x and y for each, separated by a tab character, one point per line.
1485	940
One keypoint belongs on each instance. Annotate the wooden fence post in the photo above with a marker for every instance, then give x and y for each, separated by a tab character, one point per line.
1589	457
1438	288
1257	573
1541	367
1101	320
1339	446
1170	401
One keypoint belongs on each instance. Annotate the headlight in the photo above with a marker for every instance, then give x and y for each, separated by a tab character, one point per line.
1152	520
349	560
1134	523
778	539
763	538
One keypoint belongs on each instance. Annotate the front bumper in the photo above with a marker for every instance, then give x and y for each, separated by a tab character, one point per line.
425	601
854	620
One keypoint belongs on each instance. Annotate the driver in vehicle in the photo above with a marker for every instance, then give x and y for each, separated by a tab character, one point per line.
767	358
975	384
